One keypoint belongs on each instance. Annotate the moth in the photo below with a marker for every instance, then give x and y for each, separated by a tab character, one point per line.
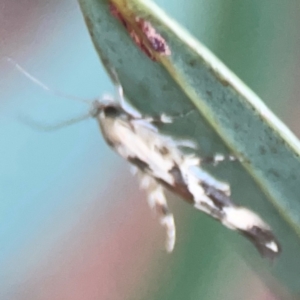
160	163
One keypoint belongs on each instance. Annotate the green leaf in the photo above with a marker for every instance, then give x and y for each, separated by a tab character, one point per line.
218	112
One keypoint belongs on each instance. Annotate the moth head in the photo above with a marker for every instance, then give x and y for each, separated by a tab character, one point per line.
106	108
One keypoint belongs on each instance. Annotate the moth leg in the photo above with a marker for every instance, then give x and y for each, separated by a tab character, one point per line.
157	202
119	93
185	144
216	159
163	118
150	122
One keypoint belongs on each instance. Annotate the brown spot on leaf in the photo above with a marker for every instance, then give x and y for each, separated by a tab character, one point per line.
262	150
209	93
225	82
142	33
273	149
275	173
236	126
156	41
192	62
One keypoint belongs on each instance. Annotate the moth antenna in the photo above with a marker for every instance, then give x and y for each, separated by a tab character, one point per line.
120	92
43	85
118	86
51	127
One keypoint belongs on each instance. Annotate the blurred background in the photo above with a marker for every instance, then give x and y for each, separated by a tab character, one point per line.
73	224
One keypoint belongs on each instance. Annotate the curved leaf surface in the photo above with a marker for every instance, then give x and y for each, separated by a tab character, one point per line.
214	108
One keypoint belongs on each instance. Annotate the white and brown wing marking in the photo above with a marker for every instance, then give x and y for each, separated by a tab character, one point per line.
162	163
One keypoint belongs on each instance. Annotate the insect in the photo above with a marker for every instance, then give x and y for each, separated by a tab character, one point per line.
160	163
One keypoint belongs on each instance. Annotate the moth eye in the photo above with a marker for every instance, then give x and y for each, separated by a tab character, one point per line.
111	111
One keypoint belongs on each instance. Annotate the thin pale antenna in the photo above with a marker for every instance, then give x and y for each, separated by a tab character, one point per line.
120	92
52	127
115	79
44	86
